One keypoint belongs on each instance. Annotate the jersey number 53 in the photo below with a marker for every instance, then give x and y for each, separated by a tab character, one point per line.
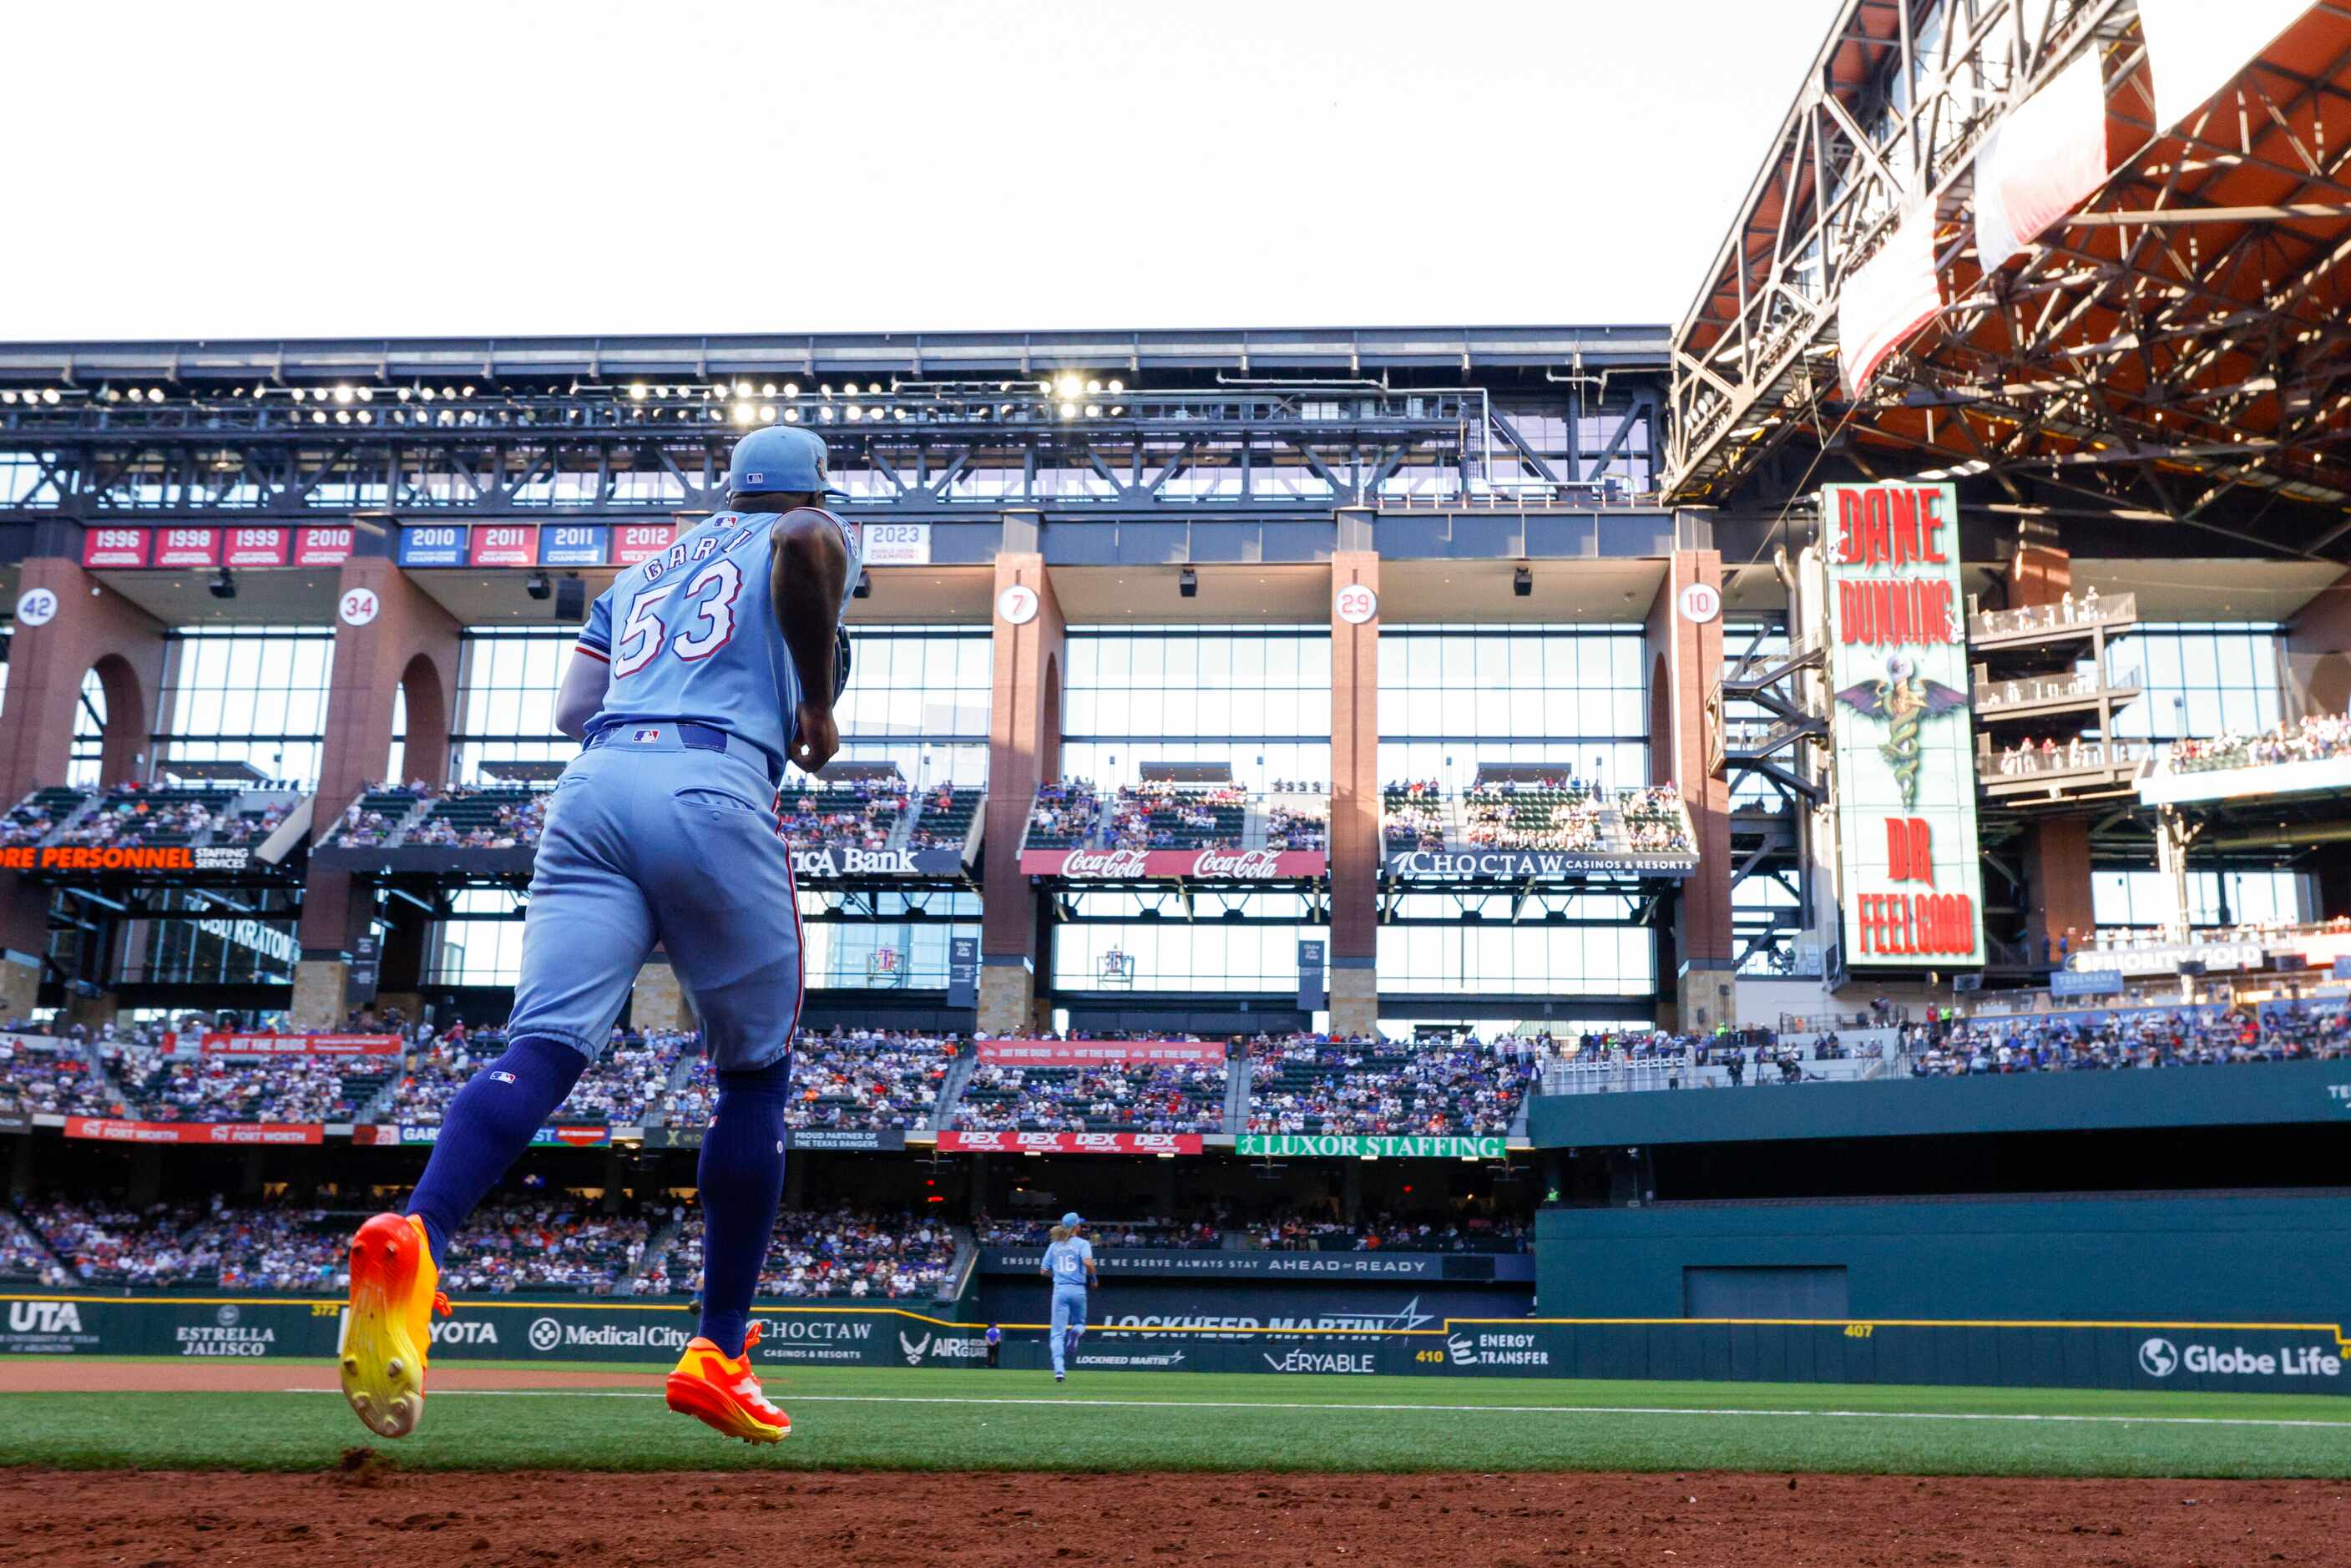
710	595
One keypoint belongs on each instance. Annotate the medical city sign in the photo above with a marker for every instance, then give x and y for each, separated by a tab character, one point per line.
1910	881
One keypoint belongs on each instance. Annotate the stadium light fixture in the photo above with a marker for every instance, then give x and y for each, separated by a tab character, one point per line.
791	389
1187	583
1069	410
791	416
1117	387
1522	581
768	390
539	587
223	585
1069	387
767	413
637	391
873	388
342	391
744	412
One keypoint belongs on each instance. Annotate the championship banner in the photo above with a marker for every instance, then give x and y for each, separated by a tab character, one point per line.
1912	886
114	546
253	547
289	1044
106	1130
1097	1052
114	857
1206	865
1366	1146
973	1143
186	548
573	544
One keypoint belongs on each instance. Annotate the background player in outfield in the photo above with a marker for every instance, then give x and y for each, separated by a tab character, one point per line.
1070	1263
698	674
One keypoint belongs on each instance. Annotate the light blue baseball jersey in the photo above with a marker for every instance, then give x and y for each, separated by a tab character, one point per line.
691	633
1066	1262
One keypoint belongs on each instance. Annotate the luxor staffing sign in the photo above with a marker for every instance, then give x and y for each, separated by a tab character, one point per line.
1911	886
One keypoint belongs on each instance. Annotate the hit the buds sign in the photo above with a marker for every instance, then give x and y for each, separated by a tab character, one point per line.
1911	882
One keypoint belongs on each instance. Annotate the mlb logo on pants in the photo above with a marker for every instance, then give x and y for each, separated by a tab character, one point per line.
643	735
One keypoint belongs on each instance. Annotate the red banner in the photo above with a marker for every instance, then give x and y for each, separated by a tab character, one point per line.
1097	1052
292	1044
187	546
504	544
255	547
322	546
107	1130
114	546
970	1143
633	542
1207	865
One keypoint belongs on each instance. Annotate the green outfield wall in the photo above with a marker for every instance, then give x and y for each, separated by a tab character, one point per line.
2245	1094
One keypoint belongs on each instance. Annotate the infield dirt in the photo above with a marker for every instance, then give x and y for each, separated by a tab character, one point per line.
370	1512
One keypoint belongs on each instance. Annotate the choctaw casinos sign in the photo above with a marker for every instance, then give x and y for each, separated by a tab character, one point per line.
1911	885
1198	866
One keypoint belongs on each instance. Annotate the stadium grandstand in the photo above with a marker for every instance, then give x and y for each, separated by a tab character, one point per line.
1660	822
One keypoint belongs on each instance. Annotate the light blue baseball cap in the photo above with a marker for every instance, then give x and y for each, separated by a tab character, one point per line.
1072	1220
779	457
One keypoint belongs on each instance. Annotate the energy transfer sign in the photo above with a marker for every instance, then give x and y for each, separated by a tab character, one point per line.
1910	882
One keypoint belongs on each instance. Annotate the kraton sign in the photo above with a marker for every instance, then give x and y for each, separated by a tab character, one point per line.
1355	1146
237	1135
953	1142
1097	1052
115	857
1204	865
1911	883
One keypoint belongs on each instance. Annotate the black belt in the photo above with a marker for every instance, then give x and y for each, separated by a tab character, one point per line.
694	737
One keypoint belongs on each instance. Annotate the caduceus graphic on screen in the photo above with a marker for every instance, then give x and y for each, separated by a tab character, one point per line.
1906	700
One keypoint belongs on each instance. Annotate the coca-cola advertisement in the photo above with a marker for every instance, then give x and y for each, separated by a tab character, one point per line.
968	1142
1097	1052
1196	865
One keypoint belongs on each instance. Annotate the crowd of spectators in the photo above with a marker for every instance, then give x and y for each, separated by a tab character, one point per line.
859	814
2176	1038
1389	1233
36	815
1412	815
129	818
1295	824
22	1256
511	824
945	821
1157	1097
39	1076
1654	820
2307	739
1159	815
1552	814
554	1245
1064	814
1318	1085
872	1080
290	1089
2050	755
842	1252
629	1081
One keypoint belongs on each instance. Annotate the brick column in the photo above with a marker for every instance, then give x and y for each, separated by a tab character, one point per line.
410	644
1685	659
2056	849
1024	747
94	628
1354	801
2317	652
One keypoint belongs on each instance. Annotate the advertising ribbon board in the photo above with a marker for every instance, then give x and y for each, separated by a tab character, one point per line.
1199	865
1349	1146
1097	1052
159	858
234	1135
1518	865
289	1044
1912	885
974	1143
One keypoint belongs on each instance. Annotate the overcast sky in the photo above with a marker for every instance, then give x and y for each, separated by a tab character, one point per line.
484	168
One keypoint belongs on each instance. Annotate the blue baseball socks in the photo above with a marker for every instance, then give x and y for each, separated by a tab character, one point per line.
492	1120
742	1182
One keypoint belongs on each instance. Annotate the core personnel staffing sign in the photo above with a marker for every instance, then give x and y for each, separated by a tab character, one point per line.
1911	886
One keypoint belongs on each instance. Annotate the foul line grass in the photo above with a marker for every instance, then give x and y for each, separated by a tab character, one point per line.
957	1418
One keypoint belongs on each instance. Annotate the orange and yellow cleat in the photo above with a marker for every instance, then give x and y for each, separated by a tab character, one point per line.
389	1328
720	1391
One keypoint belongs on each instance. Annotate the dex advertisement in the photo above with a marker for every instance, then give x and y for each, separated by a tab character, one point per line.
1911	885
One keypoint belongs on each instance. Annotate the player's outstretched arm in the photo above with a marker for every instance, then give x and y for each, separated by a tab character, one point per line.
809	572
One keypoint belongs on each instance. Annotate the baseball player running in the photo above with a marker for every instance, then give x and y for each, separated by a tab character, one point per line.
1069	1262
698	674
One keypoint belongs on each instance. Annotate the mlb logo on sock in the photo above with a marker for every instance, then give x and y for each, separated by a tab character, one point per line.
502	1077
643	735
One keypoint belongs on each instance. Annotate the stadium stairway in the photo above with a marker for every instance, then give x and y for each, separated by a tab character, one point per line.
380	1103
959	1272
1237	1093
1518	1117
39	1242
951	1089
657	1246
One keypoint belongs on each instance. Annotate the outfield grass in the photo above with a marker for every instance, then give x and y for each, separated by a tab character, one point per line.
963	1419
